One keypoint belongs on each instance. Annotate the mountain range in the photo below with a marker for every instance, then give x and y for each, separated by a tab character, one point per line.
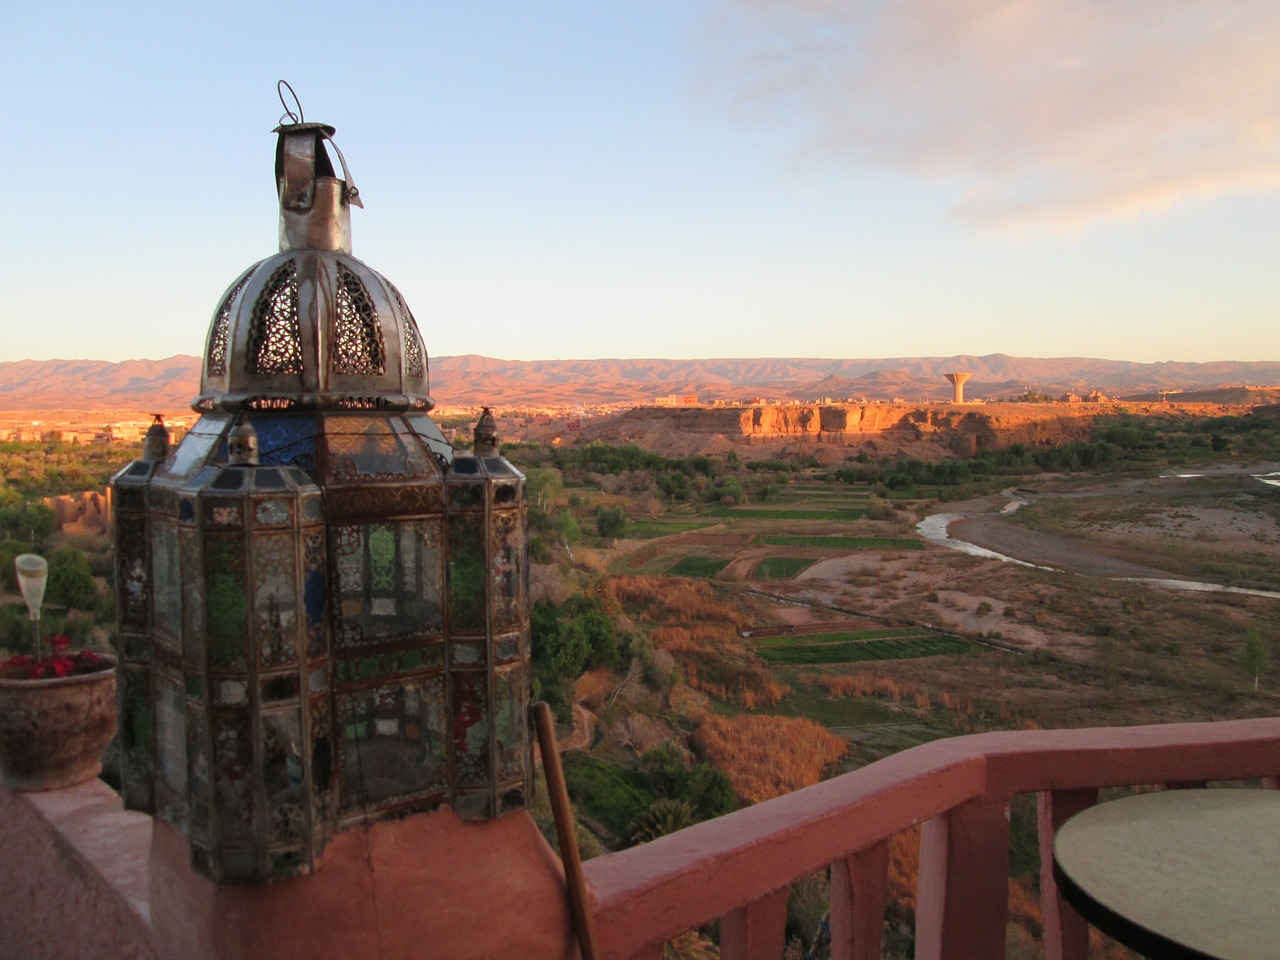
169	385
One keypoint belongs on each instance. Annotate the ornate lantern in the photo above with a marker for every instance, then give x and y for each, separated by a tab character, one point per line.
306	647
488	636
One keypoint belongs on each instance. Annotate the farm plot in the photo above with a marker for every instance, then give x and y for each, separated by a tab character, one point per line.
840	543
652	529
837	648
848	514
780	568
698	566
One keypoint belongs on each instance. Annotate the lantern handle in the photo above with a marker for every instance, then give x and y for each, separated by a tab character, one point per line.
289	115
353	193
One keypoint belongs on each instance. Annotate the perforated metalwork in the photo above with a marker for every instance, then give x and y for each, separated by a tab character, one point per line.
216	356
275	344
282	775
358	347
394	744
414	363
275	599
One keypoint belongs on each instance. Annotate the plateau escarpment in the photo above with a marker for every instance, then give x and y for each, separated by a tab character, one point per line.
832	432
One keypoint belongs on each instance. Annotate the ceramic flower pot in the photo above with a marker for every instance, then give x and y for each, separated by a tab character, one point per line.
53	731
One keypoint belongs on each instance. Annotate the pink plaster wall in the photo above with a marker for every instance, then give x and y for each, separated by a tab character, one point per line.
427	886
73	876
83	879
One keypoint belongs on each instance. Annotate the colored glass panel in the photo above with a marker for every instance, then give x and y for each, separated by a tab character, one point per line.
227	604
275	599
467	574
394	742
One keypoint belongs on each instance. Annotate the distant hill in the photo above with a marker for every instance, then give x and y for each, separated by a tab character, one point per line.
168	385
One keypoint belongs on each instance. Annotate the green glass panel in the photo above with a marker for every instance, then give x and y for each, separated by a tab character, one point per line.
167	588
228	607
467	574
382	560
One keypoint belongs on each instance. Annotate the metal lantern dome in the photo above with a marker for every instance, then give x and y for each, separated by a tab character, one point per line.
323	614
313	327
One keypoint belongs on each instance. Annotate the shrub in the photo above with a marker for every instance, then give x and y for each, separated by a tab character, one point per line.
610	522
71	582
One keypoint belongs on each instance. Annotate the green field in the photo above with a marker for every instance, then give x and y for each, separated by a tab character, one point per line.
842	543
844	636
803	651
652	529
780	568
696	566
770	513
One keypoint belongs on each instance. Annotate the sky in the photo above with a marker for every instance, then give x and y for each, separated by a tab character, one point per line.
664	178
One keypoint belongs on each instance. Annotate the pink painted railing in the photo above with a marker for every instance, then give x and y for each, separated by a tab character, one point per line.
740	868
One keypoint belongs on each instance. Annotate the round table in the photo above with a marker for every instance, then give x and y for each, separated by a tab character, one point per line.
1180	873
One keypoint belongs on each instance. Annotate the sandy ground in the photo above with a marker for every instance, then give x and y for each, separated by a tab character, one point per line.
944	588
1001	534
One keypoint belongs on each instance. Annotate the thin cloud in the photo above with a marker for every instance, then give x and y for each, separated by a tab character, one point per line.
1043	113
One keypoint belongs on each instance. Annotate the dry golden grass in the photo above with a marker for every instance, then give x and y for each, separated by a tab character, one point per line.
924	700
592	687
764	756
700	629
676	601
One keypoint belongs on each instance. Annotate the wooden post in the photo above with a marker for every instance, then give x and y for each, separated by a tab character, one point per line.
963	900
560	809
858	888
1066	934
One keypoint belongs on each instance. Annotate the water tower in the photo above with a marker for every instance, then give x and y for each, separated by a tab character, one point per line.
958	381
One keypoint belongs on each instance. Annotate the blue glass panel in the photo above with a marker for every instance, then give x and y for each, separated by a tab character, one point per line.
286	439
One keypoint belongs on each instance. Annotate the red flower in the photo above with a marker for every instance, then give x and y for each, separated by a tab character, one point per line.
60	663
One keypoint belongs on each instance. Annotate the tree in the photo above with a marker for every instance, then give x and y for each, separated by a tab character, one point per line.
567	527
610	522
543	486
71	582
1254	657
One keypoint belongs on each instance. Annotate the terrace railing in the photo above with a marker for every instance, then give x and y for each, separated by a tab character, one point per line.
739	868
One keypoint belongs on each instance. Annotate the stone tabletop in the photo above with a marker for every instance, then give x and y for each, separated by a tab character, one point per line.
1180	873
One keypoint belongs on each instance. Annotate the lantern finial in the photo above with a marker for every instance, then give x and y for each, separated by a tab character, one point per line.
486	436
242	444
155	447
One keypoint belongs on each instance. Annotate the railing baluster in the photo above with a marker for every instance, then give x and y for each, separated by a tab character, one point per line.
859	885
963	901
755	932
1066	934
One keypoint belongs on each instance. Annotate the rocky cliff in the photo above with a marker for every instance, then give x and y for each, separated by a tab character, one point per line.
834	432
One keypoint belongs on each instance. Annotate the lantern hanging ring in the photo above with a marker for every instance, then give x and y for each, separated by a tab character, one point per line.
289	115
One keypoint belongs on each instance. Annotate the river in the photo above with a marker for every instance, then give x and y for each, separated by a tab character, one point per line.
937	528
